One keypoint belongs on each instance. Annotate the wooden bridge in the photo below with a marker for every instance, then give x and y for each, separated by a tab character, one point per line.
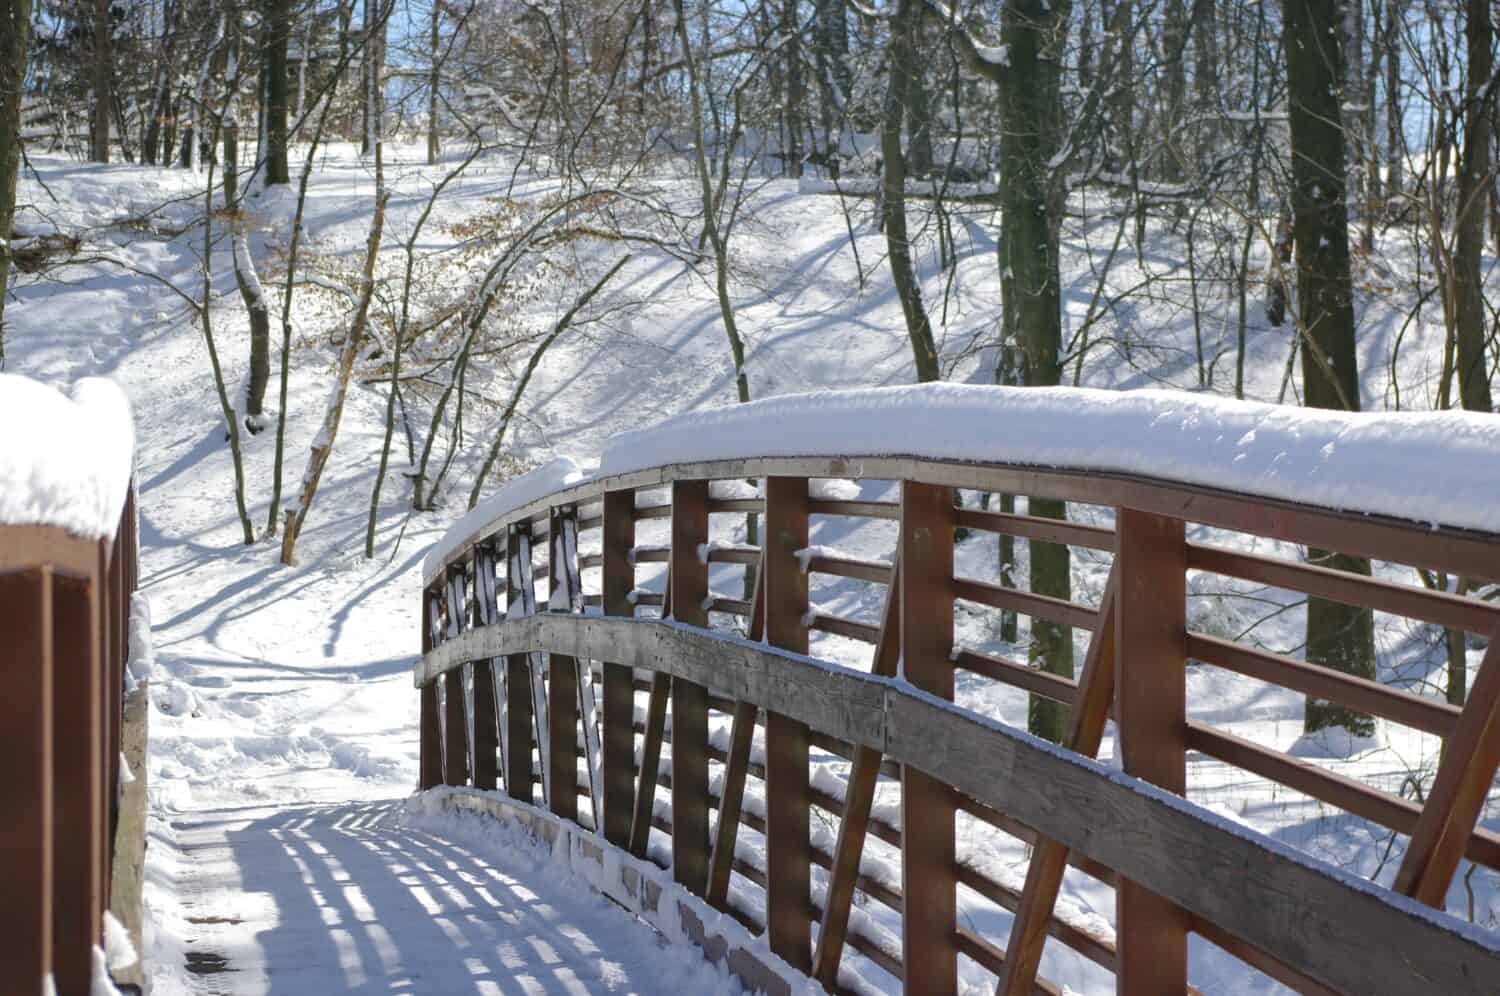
573	699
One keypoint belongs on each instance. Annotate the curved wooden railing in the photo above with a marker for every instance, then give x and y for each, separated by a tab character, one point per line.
498	678
72	838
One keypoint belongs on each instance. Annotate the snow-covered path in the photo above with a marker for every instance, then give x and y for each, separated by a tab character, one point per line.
322	899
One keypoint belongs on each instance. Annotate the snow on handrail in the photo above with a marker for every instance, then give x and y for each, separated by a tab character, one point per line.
65	459
1441	468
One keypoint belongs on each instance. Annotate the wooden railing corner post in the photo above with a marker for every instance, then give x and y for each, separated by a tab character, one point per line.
929	886
1151	718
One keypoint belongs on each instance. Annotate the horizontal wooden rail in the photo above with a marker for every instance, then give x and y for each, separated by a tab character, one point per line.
1159	841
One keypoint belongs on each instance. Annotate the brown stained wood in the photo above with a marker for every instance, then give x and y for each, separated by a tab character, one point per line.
562	689
874	571
994	958
78	839
1044	873
431	744
1034	680
1438	607
1259	960
1463	779
107	718
689	587
486	727
788	813
736	765
1417	711
645	791
1151	712
617	741
455	732
1098	949
861	509
1041	606
929	955
1041	530
26	792
850	628
1319	921
859	796
516	740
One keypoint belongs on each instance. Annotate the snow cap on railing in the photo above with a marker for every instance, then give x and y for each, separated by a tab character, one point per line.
65	459
562	472
1441	468
1434	467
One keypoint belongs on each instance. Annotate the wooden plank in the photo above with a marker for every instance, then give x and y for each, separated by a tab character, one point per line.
929	955
516	735
78	775
536	662
486	728
736	765
1034	528
1046	607
875	571
588	705
859	796
1018	675
689	580
455	732
1439	607
618	739
657	699
1151	712
839	626
1329	925
1044	873
1458	793
862	509
561	770
26	792
431	744
788	814
1417	711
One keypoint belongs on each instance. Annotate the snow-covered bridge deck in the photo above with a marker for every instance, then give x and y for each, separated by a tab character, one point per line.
364	898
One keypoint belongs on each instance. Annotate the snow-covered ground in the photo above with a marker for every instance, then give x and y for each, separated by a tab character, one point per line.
286	721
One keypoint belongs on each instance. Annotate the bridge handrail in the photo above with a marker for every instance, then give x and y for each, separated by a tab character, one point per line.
951	760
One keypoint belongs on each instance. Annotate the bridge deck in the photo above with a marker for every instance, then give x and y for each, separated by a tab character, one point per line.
324	899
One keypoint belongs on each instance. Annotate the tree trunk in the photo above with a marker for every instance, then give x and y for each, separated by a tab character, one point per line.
1206	81
278	29
1338	636
15	27
103	96
432	83
1474	180
902	62
796	91
1353	46
1394	139
1031	288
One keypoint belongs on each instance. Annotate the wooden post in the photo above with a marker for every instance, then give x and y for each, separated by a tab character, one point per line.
78	811
689	580
929	888
1151	713
26	791
517	719
618	742
106	719
859	797
562	690
431	764
1470	756
486	729
788	847
455	734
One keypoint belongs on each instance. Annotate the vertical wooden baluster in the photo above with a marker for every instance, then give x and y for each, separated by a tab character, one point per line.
689	580
736	767
517	719
1049	859
431	744
486	727
456	741
1470	756
656	722
78	817
859	796
114	700
588	705
1150	711
536	662
619	694
929	888
788	847
562	687
26	793
108	779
